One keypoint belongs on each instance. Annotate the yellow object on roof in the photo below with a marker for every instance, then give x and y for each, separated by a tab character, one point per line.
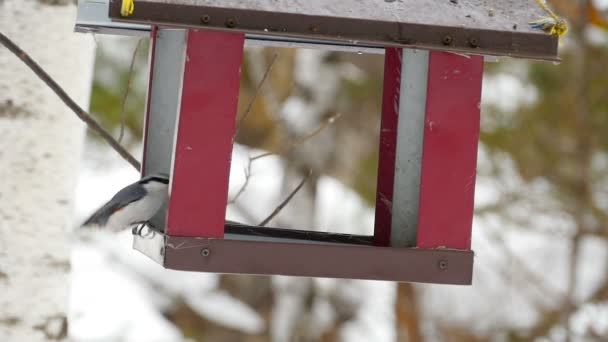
553	24
127	8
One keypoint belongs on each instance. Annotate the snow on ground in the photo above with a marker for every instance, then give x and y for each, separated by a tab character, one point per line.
118	294
521	265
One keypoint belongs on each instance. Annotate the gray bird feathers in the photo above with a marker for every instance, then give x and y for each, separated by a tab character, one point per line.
134	204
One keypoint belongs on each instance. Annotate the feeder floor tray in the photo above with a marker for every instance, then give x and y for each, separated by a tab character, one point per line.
270	251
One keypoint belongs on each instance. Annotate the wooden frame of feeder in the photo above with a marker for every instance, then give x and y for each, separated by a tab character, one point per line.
428	140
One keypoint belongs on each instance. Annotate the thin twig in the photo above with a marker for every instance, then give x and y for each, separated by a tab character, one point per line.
244	186
280	207
245	213
83	115
291	145
535	280
319	129
95	39
255	94
260	156
123	107
242	119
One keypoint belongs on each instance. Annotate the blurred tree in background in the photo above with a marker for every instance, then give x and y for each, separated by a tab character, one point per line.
560	138
553	133
112	73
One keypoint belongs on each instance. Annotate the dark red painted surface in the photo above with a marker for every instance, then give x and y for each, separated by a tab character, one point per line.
205	129
312	259
449	155
387	146
153	32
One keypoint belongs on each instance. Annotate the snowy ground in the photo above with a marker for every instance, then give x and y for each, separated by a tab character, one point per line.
108	274
118	294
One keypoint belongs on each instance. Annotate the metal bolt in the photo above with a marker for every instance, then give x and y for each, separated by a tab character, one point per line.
447	40
315	28
473	42
231	22
205	252
443	264
205	19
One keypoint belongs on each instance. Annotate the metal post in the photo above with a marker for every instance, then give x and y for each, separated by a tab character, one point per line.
401	137
387	146
410	130
428	149
449	155
167	55
203	143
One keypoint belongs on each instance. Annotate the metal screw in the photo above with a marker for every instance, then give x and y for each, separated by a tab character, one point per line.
315	28
205	252
205	19
443	264
230	22
447	40
473	42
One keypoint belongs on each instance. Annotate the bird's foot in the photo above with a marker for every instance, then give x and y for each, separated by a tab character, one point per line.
149	233
137	230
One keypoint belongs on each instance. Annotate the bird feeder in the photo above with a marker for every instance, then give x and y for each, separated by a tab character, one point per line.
434	54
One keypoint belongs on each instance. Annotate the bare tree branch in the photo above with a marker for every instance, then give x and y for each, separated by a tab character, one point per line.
123	107
257	64
244	186
525	274
291	145
330	120
242	119
260	156
247	215
255	94
280	207
83	115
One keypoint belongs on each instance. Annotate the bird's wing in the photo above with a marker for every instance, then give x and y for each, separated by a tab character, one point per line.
125	196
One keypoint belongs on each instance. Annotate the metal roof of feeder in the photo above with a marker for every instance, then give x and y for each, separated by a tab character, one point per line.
488	27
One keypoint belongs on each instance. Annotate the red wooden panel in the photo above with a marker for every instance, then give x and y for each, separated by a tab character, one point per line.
387	146
449	155
206	126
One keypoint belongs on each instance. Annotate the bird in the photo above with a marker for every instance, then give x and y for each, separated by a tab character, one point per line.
134	205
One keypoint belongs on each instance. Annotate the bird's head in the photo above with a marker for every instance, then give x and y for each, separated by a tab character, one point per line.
155	182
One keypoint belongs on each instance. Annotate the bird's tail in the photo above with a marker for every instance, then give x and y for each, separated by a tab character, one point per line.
98	218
